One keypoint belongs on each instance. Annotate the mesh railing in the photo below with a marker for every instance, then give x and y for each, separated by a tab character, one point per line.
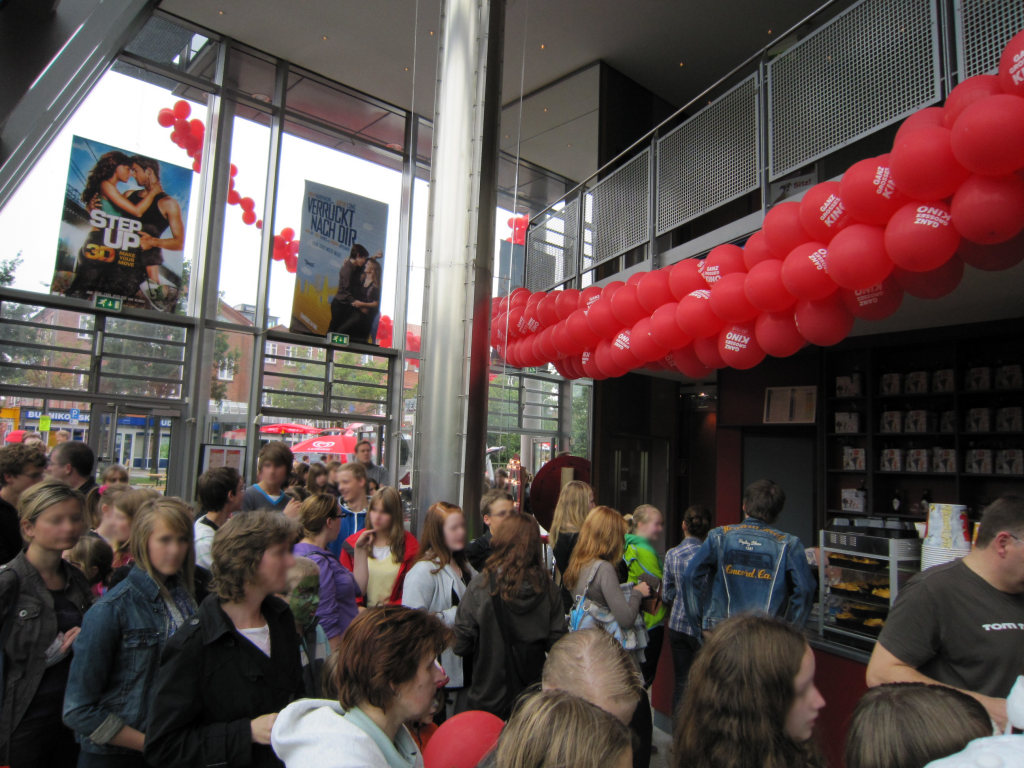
983	27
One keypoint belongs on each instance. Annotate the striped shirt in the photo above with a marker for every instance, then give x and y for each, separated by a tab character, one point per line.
676	560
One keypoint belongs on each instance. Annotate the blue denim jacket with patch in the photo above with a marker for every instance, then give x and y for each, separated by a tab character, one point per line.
114	669
748	568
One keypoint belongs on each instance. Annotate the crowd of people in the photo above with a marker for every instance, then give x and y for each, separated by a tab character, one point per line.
298	623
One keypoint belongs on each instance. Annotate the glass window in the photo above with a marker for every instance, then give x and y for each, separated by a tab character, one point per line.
229	393
271	347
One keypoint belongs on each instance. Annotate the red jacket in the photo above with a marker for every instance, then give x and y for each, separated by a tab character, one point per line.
412	548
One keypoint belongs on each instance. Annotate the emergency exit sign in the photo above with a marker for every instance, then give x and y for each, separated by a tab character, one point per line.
340	339
109	303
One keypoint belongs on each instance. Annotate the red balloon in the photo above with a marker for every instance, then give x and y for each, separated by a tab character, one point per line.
567	302
165	117
247	203
868	191
609	290
857	257
729	299
293	248
875	302
234	172
684	278
626	305
756	250
516	326
536	297
738	347
588	296
546	310
606	363
653	290
563	369
520	297
924	167
512	355
824	322
197	165
777	334
823	213
921	237
564	343
707	352
1011	66
259	223
197	127
989	209
989	136
929	117
534	357
194	143
248	217
685	360
233	197
992	258
805	272
280	243
966	93
182	109
764	287
665	330
723	260
575	362
621	353
933	284
288	234
579	330
291	263
643	344
635	278
530	321
589	362
695	316
183	129
782	229
602	319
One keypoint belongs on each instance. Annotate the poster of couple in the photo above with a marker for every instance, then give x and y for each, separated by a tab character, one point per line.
341	262
122	229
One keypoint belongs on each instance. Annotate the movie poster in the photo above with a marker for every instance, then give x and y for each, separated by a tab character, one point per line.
341	262
123	227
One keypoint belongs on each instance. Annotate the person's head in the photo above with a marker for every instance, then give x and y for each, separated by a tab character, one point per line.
502	477
221	490
444	535
907	725
21	467
316	479
553	729
751	698
647	522
358	255
112	166
496	506
296	495
99	505
352	481
387	660
252	554
146	170
33	439
1001	539
274	464
574	502
124	508
332	470
51	516
387	521
517	559
364	452
163	541
371	486
697	522
302	470
602	537
319	516
764	500
303	591
71	463
591	664
93	557
115	473
61	436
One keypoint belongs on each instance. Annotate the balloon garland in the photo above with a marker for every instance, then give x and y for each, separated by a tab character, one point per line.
950	194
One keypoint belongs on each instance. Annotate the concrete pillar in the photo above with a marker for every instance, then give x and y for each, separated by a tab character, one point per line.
452	407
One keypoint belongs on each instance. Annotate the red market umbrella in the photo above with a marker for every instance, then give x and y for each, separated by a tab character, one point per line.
326	444
288	429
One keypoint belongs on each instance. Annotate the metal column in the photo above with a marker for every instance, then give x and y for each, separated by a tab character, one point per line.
452	408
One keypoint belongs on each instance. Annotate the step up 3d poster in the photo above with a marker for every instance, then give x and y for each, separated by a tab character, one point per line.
122	228
340	264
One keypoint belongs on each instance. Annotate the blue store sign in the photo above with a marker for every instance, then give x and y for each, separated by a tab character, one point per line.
124	421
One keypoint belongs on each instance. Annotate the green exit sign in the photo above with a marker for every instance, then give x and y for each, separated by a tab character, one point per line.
340	339
108	303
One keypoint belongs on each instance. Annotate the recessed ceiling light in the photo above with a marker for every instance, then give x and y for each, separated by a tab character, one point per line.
545	109
431	31
406	69
261	97
542	46
769	31
568	145
325	37
221	12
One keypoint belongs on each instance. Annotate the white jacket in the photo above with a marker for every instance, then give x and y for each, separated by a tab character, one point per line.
312	733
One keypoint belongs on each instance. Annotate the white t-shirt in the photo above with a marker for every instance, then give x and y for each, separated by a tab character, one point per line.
260	637
379	553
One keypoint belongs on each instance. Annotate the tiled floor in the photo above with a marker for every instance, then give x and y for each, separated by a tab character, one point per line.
663	741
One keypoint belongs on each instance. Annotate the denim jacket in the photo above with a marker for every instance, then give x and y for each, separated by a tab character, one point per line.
117	658
750	567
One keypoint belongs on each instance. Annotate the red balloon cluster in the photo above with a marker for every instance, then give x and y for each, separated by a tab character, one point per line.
286	249
951	193
519	224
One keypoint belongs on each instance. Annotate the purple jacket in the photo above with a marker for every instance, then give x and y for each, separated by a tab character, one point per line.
338	589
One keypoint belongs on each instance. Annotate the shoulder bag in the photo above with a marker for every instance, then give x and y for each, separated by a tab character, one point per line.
524	661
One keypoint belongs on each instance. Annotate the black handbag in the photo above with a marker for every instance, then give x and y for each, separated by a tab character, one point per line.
524	661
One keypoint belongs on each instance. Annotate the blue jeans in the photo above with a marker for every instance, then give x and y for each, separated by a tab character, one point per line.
684	649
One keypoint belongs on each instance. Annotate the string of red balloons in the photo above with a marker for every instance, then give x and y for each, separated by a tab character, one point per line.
950	194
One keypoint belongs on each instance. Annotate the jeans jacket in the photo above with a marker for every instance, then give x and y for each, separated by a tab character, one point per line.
749	567
35	627
117	657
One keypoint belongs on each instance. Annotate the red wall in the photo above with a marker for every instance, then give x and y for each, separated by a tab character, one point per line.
841	683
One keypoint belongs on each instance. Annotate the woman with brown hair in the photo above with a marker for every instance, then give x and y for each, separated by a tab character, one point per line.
751	700
574	504
437	583
316	479
393	550
509	618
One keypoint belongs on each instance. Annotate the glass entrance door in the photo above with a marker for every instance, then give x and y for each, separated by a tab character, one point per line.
139	439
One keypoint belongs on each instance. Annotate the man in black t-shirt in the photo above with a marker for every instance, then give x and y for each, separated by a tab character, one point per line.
962	624
21	467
